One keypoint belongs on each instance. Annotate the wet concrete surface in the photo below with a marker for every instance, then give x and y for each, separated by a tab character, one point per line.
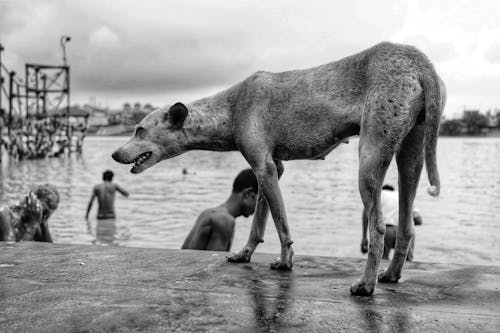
75	288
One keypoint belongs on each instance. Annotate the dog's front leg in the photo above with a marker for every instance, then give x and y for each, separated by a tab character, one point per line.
258	225
256	232
267	176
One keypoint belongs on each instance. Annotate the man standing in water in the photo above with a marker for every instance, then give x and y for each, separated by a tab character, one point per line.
214	228
105	193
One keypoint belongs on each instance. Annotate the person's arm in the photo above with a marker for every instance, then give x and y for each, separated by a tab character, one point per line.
91	201
43	233
6	232
364	239
32	218
121	190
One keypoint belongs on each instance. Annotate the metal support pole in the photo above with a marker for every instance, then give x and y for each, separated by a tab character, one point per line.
37	93
11	97
18	96
44	95
27	90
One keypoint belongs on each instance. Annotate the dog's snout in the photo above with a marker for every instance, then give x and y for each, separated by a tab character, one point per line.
117	156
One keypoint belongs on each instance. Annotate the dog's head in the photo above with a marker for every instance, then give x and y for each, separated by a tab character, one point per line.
157	137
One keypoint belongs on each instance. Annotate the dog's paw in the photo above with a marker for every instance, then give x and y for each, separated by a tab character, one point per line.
278	264
242	256
386	277
361	288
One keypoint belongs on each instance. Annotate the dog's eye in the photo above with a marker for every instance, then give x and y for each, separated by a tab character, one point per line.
140	132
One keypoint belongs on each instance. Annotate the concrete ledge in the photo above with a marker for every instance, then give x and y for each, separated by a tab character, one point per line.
52	288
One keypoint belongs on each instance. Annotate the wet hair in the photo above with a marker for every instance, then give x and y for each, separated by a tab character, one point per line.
388	187
107	175
48	194
245	179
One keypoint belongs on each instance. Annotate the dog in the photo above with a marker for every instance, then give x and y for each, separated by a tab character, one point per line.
390	95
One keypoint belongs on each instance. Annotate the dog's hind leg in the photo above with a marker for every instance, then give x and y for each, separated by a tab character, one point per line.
375	154
409	158
258	224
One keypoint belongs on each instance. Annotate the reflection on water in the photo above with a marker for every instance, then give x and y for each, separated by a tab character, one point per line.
270	309
321	197
396	320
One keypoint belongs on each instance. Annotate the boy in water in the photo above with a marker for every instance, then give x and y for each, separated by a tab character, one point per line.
28	219
105	193
214	228
390	211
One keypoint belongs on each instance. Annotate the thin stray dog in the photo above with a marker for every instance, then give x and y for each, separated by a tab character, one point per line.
390	95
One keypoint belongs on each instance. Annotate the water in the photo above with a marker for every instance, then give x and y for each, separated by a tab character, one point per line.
321	197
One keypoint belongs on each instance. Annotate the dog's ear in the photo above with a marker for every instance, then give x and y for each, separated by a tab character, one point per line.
177	114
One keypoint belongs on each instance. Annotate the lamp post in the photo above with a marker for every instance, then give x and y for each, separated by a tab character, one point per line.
64	39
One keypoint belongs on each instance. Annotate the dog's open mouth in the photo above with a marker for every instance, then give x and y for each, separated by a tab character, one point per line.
140	160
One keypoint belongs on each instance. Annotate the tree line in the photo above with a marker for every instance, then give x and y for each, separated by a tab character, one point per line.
471	123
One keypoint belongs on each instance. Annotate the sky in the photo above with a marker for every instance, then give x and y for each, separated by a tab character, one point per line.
161	52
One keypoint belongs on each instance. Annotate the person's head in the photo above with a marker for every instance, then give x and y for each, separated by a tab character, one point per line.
246	187
107	175
388	187
49	197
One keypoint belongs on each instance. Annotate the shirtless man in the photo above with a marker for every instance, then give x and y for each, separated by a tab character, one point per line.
390	211
214	228
28	219
105	193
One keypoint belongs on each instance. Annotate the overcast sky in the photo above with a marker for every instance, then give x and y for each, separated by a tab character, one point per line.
165	51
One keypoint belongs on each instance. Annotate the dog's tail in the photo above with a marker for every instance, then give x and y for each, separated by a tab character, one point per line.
435	98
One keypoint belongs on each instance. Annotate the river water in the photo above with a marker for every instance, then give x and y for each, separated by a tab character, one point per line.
321	198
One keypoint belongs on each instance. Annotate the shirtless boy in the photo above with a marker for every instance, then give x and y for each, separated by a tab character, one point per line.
214	228
28	219
105	193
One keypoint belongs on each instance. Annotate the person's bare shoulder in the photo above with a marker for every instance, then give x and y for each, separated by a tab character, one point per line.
98	188
204	217
222	219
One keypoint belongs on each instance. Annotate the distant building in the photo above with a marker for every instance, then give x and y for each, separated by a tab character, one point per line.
76	114
116	116
97	117
470	112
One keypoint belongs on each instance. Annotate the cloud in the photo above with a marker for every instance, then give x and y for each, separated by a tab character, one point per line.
104	38
492	54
